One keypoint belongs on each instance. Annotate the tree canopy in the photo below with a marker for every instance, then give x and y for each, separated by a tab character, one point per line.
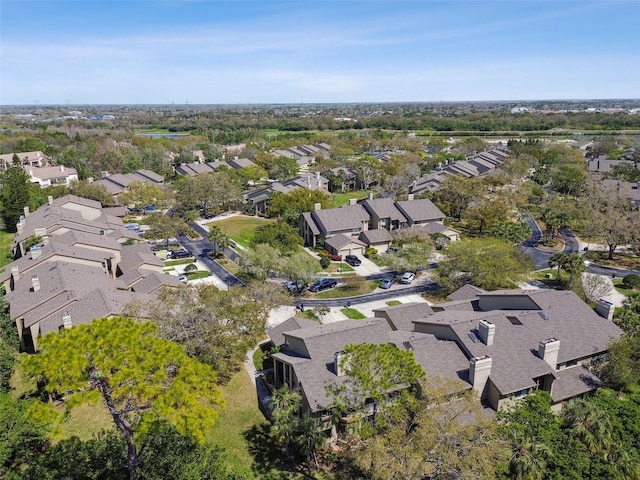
139	376
487	263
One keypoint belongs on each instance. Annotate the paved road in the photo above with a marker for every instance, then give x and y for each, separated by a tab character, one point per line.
377	295
541	259
197	247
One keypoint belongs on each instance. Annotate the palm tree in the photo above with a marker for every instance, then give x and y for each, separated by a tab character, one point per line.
308	438
589	424
285	404
558	259
528	461
575	266
218	238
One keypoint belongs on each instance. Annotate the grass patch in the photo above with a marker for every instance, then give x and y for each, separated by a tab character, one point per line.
257	359
84	421
5	249
619	286
229	265
393	303
197	274
336	267
350	290
241	415
240	229
182	261
340	199
308	314
353	314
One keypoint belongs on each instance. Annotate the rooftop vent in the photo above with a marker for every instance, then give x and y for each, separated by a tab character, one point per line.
66	320
407	345
473	336
543	314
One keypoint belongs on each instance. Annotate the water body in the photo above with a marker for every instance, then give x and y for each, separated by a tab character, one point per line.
163	135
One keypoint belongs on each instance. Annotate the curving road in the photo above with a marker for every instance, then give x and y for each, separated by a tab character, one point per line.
541	259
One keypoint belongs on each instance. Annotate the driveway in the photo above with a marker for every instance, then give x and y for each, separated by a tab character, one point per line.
367	268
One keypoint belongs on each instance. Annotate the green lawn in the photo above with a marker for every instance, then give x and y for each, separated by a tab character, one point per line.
182	261
197	274
393	303
5	249
240	229
353	314
350	290
619	286
340	199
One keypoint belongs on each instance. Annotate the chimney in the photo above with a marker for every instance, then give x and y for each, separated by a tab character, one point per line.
479	371
353	201
62	168
66	320
26	211
548	351
318	179
410	197
317	206
15	273
19	228
50	199
370	195
605	309
486	331
35	283
340	363
45	239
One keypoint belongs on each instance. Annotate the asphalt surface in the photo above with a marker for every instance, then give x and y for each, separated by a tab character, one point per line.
541	259
197	247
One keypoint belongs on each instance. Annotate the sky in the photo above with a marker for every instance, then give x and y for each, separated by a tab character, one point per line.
81	52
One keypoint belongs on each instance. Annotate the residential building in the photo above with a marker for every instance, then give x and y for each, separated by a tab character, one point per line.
503	344
52	176
118	183
27	159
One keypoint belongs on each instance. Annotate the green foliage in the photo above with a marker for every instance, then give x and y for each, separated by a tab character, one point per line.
140	377
217	327
279	235
484	262
372	372
325	262
21	438
15	194
292	205
513	232
631	281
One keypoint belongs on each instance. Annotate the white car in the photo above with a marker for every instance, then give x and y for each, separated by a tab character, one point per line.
407	278
183	278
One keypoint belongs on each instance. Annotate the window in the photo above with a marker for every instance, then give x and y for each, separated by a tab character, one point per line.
514	320
521	393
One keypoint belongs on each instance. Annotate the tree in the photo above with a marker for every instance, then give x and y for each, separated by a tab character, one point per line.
575	266
588	424
138	376
372	372
285	408
558	259
207	191
623	367
513	232
308	439
455	195
484	262
595	286
279	235
15	194
440	436
411	257
484	215
219	239
368	171
141	194
528	461
291	205
261	260
21	437
298	268
284	168
569	179
93	191
164	227
217	327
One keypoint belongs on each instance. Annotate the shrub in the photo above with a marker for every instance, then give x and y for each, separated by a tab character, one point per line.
370	252
325	262
631	281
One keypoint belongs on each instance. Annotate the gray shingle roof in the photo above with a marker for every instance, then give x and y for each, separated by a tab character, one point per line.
343	218
572	382
420	210
276	333
380	235
384	208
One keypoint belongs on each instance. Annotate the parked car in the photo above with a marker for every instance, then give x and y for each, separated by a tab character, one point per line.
322	284
131	226
353	260
387	282
176	254
182	278
335	258
149	208
295	287
407	277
